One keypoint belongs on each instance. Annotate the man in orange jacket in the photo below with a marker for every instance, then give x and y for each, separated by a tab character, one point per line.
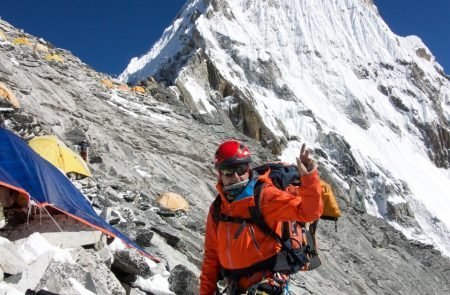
243	250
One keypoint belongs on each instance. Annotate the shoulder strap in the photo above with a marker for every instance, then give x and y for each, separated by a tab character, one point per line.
258	218
216	209
217	216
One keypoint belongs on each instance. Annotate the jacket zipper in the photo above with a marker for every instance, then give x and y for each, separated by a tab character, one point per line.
252	234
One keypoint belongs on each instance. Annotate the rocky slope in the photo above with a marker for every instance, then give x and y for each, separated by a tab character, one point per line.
145	144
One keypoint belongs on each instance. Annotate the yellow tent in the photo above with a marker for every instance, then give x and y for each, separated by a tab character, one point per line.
54	56
7	95
56	152
172	201
139	89
22	41
107	83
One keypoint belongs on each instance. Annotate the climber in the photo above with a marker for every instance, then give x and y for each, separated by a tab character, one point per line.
238	248
84	145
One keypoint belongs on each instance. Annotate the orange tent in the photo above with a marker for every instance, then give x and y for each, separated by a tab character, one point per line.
172	201
139	89
123	87
7	95
107	83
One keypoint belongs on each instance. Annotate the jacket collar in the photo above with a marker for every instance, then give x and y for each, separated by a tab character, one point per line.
261	178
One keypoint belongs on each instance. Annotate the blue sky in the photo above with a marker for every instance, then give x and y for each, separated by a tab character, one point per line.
107	34
430	20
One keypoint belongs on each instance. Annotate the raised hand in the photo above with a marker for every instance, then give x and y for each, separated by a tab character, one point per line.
305	163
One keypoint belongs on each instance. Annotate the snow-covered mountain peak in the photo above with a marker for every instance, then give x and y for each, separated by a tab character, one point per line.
374	105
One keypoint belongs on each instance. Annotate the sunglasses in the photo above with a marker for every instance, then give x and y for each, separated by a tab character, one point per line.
239	170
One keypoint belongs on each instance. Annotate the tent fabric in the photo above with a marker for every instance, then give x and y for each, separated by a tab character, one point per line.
139	89
9	96
56	152
123	87
54	56
107	83
24	170
22	41
172	201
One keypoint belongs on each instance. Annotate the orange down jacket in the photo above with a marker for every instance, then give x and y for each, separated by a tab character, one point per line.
224	250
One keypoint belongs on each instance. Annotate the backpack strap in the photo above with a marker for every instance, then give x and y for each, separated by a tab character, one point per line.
258	220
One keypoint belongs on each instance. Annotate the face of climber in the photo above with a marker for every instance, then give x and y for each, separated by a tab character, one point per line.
234	174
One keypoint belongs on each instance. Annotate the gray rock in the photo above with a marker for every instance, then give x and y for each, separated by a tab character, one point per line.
73	239
10	260
111	216
104	280
182	281
144	237
34	272
169	234
130	262
106	256
61	278
134	291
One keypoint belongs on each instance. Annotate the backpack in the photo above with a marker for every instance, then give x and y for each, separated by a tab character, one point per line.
294	255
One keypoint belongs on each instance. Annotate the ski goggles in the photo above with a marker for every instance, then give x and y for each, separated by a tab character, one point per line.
239	170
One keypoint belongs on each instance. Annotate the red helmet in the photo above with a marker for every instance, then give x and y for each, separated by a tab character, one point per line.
231	153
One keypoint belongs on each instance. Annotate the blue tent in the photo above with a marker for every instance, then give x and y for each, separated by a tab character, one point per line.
25	171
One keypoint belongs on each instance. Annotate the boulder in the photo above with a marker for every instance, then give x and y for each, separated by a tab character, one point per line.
33	274
172	239
73	239
60	278
104	280
128	261
106	256
182	281
10	260
112	217
144	237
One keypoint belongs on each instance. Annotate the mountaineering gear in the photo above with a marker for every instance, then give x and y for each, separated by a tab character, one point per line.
331	209
231	153
241	249
302	253
239	170
277	285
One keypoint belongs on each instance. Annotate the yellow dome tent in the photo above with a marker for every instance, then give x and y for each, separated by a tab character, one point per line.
172	201
54	56
139	89
7	95
22	41
56	152
107	83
